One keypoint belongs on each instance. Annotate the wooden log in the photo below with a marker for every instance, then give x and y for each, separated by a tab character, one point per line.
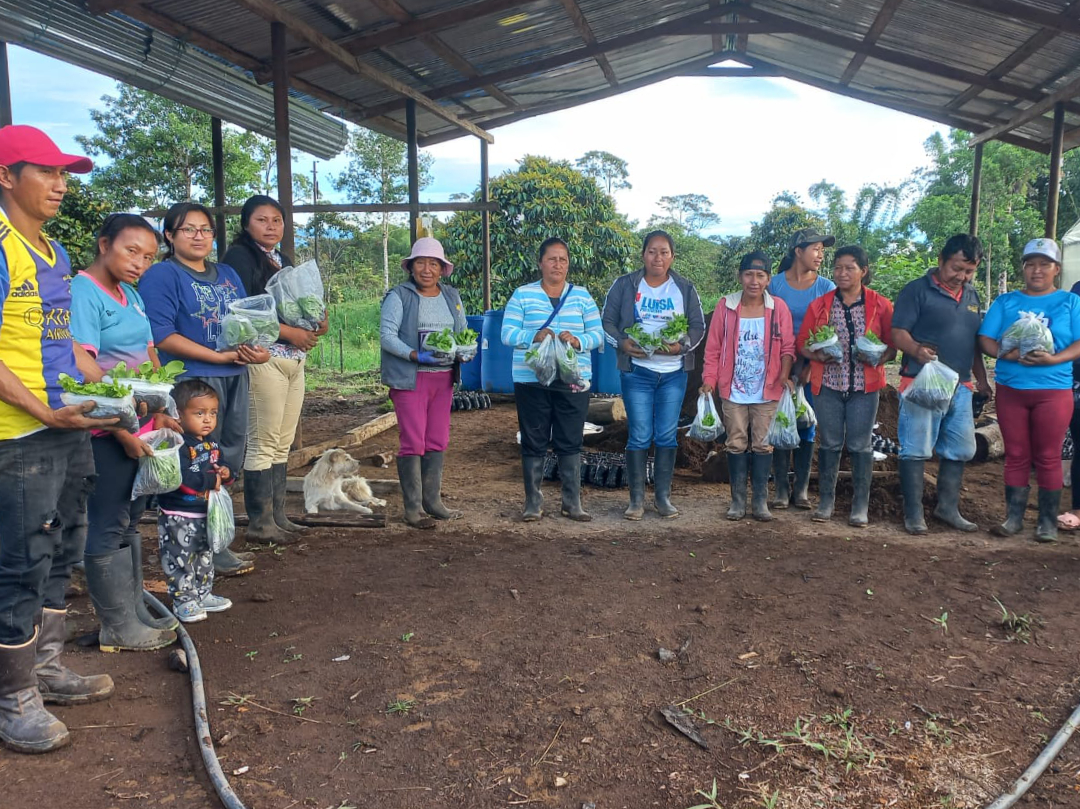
343	520
606	411
381	459
352	438
989	444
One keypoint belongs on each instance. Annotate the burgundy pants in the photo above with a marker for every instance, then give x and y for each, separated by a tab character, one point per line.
423	415
1033	425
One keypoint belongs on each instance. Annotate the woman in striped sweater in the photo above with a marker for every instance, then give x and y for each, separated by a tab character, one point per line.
554	413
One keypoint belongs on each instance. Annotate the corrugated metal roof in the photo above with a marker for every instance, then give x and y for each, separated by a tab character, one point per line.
491	62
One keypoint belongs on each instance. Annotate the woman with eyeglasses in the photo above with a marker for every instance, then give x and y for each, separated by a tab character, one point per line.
187	295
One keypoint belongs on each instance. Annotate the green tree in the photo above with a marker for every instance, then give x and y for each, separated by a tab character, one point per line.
539	199
378	172
76	225
691	211
159	153
870	221
786	215
607	169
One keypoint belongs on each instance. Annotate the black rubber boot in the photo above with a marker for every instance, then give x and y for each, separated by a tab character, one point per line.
781	463
431	470
803	458
636	462
828	469
57	683
25	725
279	481
738	464
259	504
532	470
570	476
412	487
862	475
110	580
141	611
911	487
1049	503
760	466
1016	498
663	471
950	479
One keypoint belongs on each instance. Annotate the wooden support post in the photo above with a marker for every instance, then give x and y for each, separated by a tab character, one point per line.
1053	194
280	57
485	223
5	87
217	149
976	191
414	169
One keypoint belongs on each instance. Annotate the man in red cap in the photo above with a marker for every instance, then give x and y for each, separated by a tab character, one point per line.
46	466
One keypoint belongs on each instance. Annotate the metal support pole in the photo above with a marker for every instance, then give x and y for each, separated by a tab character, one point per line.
280	73
1054	192
976	191
5	87
485	223
414	169
217	148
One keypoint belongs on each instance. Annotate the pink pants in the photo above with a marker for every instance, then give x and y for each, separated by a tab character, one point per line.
1033	425
423	414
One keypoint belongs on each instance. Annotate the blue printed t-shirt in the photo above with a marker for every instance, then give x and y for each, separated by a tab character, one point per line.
111	329
191	304
1062	312
798	300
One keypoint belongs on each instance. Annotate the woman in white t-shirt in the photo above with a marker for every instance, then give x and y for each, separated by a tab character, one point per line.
645	303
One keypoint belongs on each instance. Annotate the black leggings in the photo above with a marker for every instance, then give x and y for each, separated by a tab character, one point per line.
550	415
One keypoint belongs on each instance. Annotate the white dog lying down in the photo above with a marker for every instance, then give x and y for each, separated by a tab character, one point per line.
333	485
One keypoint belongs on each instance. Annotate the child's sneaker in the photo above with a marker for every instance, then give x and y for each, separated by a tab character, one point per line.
189	612
213	603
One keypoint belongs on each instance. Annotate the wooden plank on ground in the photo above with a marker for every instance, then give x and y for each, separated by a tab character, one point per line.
352	438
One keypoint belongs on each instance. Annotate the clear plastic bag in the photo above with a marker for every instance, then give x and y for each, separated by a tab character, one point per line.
706	425
543	361
107	407
220	522
1029	333
299	295
157	396
441	352
868	351
784	430
159	473
805	417
830	347
249	322
569	369
933	387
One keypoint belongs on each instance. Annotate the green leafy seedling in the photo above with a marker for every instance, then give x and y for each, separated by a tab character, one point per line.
408	636
300	704
400	706
710	796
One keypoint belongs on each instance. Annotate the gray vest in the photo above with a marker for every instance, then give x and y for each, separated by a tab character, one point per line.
399	373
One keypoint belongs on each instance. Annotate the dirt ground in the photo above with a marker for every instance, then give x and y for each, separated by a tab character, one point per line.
492	663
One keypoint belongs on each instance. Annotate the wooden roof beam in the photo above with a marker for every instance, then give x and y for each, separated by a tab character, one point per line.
583	27
272	12
881	21
1023	12
1037	110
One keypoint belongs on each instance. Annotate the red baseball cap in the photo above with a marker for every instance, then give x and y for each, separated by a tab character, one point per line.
28	144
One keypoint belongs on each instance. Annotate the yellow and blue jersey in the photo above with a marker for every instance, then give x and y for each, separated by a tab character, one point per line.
35	324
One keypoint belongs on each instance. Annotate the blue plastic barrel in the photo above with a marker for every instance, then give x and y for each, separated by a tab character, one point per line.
496	359
605	371
470	371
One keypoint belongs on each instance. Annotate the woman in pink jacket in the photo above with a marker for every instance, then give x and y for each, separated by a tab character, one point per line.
748	357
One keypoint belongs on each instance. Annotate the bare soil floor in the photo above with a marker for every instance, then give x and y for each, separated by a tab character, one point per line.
492	663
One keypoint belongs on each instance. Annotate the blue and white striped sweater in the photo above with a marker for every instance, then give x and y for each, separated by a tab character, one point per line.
526	312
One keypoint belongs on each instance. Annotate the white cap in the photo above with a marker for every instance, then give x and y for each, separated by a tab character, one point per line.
1042	247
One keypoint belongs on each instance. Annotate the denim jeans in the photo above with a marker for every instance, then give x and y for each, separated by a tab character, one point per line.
112	514
923	432
846	419
45	479
653	403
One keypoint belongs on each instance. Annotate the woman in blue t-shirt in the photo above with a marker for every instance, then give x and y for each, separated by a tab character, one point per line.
1034	385
108	319
187	296
797	283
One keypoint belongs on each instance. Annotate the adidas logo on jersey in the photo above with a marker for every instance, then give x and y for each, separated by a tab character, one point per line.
25	290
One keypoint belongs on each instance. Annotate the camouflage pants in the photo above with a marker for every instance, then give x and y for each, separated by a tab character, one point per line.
186	559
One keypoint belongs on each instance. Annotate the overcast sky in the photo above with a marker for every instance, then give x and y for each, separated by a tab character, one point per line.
738	141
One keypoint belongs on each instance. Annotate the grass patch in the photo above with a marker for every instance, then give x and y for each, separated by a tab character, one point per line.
347	356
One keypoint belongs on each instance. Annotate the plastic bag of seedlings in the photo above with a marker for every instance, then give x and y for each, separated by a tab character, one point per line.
647	342
870	349
249	322
441	344
784	430
299	296
1029	333
220	523
543	360
112	400
805	417
160	472
825	340
706	425
569	370
933	387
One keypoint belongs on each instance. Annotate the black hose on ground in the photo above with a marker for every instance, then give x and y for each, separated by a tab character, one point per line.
225	792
